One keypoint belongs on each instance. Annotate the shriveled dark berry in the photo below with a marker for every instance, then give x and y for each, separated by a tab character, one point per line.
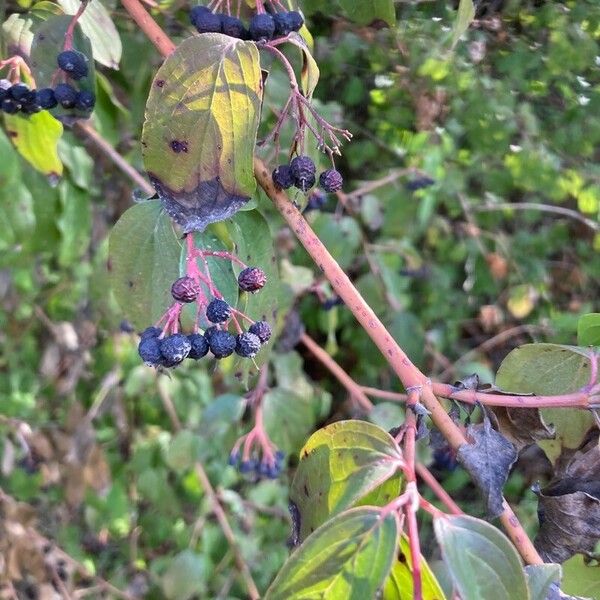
73	63
174	349
20	92
150	332
252	279
303	172
199	346
85	100
10	106
222	343
283	24
206	22
218	311
185	289
66	95
262	27
316	200
331	180
296	20
45	98
247	344
233	27
262	330
149	351
282	177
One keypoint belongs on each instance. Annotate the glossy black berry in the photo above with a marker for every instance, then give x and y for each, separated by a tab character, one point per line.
262	330
199	346
233	27
45	98
30	108
10	106
252	279
331	180
247	345
66	95
296	20
73	63
206	22
282	177
303	172
150	332
85	100
174	349
218	311
185	289
149	351
222	343
262	27
283	24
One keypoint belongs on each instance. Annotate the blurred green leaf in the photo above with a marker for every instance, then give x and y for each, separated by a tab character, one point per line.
588	330
186	576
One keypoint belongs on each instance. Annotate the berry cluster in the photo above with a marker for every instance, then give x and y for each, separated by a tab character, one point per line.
262	27
159	348
301	173
20	98
261	468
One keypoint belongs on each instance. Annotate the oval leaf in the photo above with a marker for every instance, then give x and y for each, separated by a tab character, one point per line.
36	138
399	584
339	465
200	130
481	560
98	26
349	557
369	12
143	262
588	330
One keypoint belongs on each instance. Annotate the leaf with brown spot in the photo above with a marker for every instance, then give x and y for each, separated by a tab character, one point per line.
522	426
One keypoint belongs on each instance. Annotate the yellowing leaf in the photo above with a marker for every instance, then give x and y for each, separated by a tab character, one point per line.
36	138
200	130
522	301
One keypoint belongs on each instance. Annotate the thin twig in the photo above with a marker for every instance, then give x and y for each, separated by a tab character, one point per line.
425	474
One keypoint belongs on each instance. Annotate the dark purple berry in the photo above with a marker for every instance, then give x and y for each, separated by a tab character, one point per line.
199	346
45	98
303	172
274	471
233	27
283	24
85	100
185	289
247	345
5	85
208	332
233	459
206	21
419	183
316	200
279	456
149	351
218	311
262	27
73	63
296	20
331	180
282	177
262	330
10	106
174	349
331	302
20	92
222	343
150	332
247	466
66	95
30	108
252	279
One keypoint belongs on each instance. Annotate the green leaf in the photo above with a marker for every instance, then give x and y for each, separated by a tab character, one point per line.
186	576
367	12
588	330
99	27
288	419
36	138
482	561
580	579
143	262
17	34
464	18
47	43
550	369
399	584
348	557
309	76
74	223
339	465
182	451
540	578
341	235
200	130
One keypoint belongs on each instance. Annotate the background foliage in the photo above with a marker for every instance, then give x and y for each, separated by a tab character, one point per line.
508	116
